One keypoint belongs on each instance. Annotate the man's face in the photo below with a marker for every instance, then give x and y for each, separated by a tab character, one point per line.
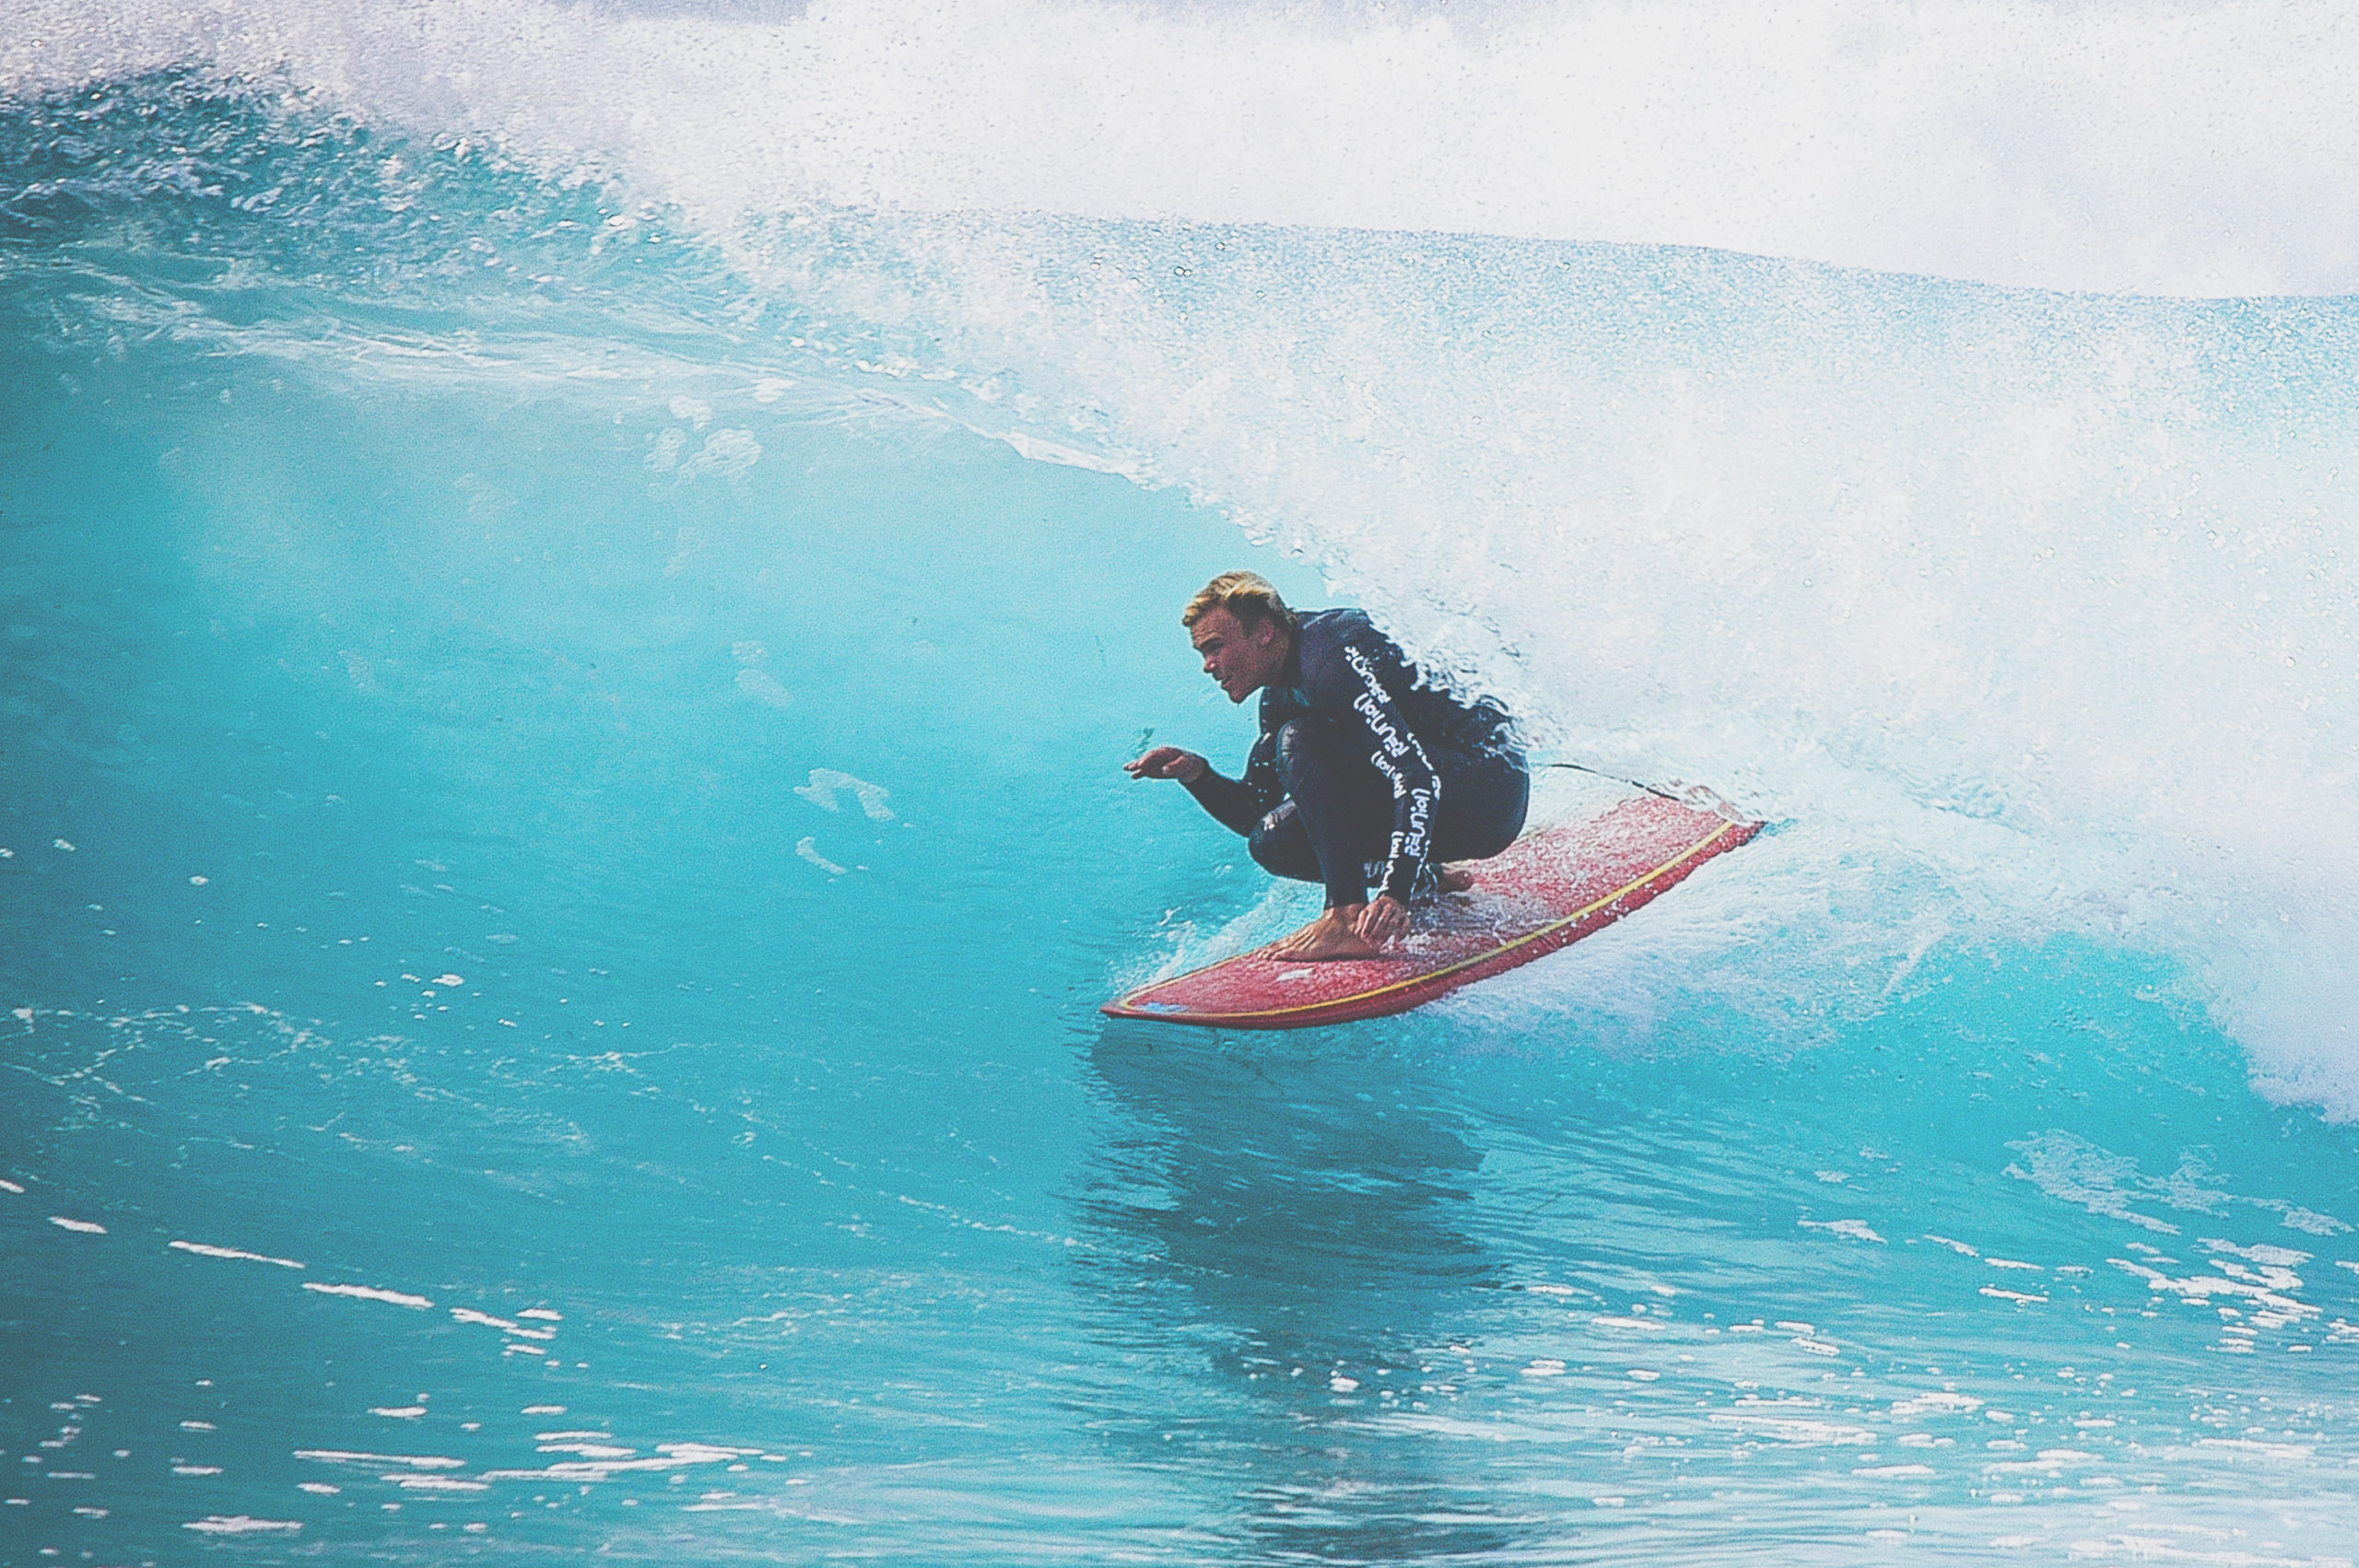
1242	662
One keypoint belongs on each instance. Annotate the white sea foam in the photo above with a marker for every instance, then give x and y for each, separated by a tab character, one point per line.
809	849
825	783
369	1293
241	1525
469	1314
1855	1230
203	1250
410	1482
2068	1167
725	454
1794	1429
598	1469
763	686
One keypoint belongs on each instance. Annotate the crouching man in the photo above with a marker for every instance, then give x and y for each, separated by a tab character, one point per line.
1362	777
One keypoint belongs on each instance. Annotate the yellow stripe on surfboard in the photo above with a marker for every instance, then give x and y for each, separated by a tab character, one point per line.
1483	957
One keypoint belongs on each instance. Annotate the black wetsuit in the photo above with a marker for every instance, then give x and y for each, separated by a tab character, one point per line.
1363	776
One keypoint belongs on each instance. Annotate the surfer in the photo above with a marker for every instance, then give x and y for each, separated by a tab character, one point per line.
1362	775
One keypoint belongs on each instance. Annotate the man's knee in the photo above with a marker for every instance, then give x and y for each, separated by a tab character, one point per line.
1484	808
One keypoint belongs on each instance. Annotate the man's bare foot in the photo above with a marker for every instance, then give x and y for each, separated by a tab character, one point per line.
1454	879
1329	937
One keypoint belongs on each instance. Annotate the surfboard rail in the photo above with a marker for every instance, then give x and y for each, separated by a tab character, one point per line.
1547	891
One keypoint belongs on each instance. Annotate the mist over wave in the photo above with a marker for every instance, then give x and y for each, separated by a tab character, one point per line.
2029	615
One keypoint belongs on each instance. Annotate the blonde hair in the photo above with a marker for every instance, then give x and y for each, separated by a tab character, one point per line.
1246	595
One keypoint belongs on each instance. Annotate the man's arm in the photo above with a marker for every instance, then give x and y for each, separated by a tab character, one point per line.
1233	802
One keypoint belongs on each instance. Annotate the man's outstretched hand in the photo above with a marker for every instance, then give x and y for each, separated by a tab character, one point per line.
1167	761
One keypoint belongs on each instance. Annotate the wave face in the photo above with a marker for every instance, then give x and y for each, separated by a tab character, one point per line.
578	578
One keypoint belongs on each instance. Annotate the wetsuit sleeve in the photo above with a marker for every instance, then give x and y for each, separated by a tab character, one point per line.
1416	786
1228	800
1238	804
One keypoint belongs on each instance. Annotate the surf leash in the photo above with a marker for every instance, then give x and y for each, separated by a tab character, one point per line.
1697	797
1601	773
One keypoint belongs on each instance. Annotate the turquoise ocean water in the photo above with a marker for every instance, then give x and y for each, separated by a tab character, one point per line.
576	583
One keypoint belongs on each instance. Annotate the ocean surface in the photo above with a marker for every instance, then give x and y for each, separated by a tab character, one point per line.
576	583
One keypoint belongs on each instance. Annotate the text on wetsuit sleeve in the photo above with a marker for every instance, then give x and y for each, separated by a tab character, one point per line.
1416	786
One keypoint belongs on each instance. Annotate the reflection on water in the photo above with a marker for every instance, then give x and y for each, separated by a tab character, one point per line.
1296	1215
1307	1195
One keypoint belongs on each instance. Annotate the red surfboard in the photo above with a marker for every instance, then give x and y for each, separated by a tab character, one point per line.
1549	889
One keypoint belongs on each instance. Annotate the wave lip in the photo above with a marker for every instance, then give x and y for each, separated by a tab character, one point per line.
2193	149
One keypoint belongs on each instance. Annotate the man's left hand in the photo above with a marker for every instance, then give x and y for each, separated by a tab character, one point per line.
1384	921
